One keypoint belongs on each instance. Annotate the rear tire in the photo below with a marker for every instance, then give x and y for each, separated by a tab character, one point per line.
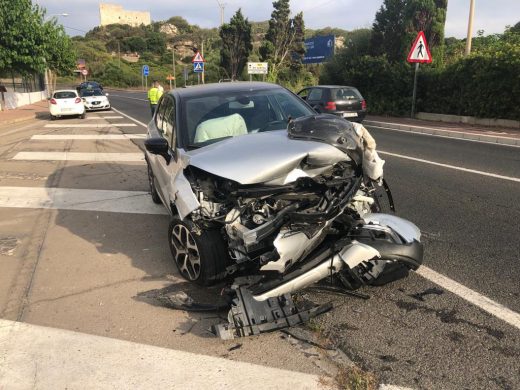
200	255
53	118
82	116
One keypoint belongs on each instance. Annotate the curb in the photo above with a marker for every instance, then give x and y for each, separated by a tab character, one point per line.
17	120
492	139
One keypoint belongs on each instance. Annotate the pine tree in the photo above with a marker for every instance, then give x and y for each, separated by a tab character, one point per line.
236	44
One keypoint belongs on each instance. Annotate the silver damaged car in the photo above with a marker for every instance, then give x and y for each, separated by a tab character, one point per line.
271	197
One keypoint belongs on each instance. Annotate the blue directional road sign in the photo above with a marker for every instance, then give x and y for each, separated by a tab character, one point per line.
318	49
146	70
198	67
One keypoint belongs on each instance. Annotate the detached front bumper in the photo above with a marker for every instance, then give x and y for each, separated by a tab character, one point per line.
384	249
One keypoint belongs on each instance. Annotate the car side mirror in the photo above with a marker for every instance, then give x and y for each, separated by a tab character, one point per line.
158	146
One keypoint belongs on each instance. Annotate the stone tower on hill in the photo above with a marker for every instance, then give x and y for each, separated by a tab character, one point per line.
113	13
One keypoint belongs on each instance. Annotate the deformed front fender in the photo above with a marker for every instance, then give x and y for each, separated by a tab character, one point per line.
182	196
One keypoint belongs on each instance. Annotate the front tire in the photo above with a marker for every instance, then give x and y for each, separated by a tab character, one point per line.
153	189
200	255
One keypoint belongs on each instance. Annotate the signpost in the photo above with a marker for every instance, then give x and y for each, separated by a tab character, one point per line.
419	53
84	72
198	63
257	68
170	78
145	73
185	73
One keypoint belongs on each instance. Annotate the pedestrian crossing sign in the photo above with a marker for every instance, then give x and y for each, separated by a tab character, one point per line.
198	67
198	58
420	51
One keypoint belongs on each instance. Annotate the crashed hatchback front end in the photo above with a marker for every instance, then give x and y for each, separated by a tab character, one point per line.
294	207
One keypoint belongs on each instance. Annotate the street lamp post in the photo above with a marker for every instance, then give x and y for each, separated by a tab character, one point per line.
470	26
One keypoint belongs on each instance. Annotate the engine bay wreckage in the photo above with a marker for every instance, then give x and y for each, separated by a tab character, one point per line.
279	211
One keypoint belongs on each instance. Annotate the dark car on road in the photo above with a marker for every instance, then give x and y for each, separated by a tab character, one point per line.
344	101
89	85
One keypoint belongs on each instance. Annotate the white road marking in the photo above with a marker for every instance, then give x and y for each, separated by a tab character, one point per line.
71	156
104	117
48	358
136	202
87	136
447	136
129	117
95	125
477	299
510	178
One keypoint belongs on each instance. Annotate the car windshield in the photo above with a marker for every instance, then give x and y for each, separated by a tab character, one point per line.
213	117
91	92
65	95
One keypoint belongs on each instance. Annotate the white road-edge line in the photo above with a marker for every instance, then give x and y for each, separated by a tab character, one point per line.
477	299
129	117
448	137
509	178
72	156
104	117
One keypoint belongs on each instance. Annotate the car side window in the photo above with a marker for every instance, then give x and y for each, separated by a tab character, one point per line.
165	119
315	94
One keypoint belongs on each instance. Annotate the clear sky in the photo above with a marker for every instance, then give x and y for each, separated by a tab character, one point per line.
492	16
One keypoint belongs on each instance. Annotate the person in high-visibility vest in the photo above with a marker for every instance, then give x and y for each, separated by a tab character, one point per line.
154	94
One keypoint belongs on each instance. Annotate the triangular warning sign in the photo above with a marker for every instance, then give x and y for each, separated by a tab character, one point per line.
420	51
198	58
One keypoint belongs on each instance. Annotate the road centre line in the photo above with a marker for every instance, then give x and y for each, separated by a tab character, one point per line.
449	137
95	126
136	202
129	117
128	97
58	359
72	156
104	117
509	178
88	137
477	299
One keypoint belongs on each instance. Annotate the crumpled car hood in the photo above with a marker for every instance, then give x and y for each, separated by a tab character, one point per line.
262	157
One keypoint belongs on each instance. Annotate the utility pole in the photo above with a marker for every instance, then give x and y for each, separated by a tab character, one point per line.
202	53
173	63
470	26
221	6
119	52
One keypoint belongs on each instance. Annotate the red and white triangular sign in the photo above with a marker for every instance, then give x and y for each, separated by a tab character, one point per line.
420	51
198	58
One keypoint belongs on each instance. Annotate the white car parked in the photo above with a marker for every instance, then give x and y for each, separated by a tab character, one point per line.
95	99
66	102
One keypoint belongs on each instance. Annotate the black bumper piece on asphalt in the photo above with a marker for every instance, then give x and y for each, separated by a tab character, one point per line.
251	317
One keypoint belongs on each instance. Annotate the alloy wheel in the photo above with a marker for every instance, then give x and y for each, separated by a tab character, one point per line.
186	254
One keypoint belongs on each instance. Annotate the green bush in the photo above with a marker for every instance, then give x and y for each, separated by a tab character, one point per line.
485	84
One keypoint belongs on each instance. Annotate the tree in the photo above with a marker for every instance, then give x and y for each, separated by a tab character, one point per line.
283	39
22	40
398	21
236	44
60	55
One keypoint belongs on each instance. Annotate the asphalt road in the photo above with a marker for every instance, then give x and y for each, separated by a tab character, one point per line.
413	332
